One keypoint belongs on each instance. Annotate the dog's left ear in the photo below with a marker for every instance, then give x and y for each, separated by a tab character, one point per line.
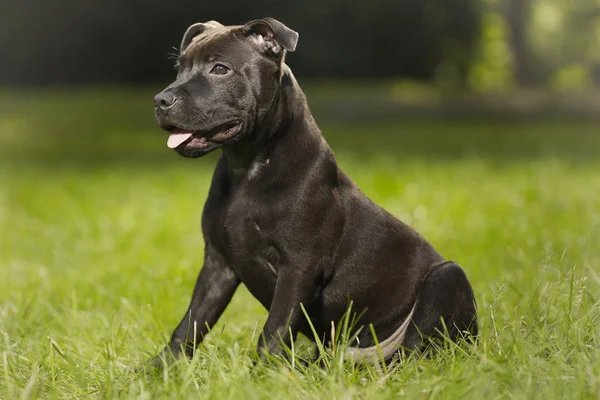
272	34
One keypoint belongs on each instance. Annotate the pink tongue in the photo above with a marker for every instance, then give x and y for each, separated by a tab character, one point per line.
176	138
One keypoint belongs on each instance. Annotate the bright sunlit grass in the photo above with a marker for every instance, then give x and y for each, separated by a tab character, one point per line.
100	246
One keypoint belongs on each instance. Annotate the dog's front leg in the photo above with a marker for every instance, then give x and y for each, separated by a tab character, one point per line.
214	288
293	288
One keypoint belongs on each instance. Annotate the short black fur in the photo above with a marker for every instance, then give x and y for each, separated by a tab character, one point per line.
283	219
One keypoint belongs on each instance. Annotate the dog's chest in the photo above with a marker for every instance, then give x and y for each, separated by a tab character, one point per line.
248	223
251	246
245	237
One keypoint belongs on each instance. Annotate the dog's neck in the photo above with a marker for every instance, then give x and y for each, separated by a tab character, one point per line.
289	114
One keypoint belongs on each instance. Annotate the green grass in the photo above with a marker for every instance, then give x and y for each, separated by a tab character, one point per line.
100	245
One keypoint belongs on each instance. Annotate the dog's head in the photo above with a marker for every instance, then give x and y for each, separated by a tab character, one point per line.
227	79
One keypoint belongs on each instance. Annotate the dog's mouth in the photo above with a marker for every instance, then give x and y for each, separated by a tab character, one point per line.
180	139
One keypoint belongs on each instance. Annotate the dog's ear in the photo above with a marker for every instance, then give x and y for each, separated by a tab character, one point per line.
191	33
195	30
272	34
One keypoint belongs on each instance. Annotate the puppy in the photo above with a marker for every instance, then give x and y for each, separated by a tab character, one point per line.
284	220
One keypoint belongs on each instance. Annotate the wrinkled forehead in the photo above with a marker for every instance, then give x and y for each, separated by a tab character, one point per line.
215	37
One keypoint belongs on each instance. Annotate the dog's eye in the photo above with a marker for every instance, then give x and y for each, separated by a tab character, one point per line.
219	69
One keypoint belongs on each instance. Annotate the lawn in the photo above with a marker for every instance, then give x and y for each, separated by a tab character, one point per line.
101	243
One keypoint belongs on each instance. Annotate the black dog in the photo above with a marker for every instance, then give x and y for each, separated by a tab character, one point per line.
282	218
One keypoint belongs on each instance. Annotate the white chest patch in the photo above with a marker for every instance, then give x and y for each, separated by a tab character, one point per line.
256	168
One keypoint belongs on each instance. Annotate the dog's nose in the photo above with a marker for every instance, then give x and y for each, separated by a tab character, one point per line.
164	100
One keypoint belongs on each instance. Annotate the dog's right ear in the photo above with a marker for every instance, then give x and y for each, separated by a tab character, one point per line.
195	30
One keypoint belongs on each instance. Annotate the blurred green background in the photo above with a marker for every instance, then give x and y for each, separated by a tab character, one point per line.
476	122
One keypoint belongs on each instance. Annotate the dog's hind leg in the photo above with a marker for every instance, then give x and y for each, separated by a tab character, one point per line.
445	305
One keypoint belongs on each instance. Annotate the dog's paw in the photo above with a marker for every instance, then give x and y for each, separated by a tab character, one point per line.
163	360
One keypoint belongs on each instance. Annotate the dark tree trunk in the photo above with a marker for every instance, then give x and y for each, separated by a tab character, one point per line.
517	13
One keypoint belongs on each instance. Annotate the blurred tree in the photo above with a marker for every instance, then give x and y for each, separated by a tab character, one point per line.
517	17
492	69
566	41
532	43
